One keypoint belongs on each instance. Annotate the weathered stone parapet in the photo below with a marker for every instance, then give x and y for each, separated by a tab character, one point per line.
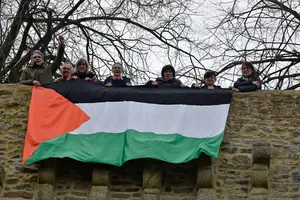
259	159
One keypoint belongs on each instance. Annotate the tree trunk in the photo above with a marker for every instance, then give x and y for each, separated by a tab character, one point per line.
12	34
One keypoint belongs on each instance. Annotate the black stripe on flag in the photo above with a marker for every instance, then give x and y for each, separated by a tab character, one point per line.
80	91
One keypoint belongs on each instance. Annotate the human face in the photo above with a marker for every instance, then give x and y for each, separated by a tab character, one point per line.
37	59
246	70
117	69
66	70
81	67
168	75
209	81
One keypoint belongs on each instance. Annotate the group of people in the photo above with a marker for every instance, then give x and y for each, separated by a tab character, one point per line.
37	73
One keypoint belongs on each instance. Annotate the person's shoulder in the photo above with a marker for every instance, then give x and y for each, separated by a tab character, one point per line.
74	73
177	81
241	79
256	78
109	78
160	79
90	74
57	80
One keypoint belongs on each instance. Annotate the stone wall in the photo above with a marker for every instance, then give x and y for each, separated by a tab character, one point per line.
259	159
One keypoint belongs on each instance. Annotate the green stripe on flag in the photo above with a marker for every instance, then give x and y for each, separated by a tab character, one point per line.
117	148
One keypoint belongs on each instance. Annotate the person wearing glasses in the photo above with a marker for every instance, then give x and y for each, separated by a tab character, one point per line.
117	80
37	73
209	81
249	81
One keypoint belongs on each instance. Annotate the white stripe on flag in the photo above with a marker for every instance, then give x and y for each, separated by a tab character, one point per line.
187	120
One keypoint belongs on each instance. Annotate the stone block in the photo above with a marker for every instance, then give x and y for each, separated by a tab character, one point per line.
100	177
44	192
99	193
47	172
259	178
204	172
151	196
152	177
205	194
259	194
151	191
261	153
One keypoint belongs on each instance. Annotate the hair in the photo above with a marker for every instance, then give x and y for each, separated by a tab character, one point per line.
166	67
210	73
38	52
117	63
255	73
81	60
67	63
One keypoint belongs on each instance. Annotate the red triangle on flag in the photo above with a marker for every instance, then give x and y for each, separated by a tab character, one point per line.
50	115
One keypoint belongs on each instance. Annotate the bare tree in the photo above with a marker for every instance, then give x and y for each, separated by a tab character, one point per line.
131	31
265	32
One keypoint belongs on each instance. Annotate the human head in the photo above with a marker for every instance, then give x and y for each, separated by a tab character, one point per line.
82	66
37	58
168	72
66	70
210	78
117	69
247	69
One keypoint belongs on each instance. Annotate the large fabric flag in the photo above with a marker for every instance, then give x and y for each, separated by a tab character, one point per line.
91	123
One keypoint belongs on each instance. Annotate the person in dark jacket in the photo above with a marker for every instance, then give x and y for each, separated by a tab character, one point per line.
82	71
117	79
209	81
167	79
37	73
249	81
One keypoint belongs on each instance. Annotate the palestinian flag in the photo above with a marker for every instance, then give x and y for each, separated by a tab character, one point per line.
91	123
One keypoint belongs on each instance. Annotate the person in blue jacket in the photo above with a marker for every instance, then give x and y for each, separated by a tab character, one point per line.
249	81
117	79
